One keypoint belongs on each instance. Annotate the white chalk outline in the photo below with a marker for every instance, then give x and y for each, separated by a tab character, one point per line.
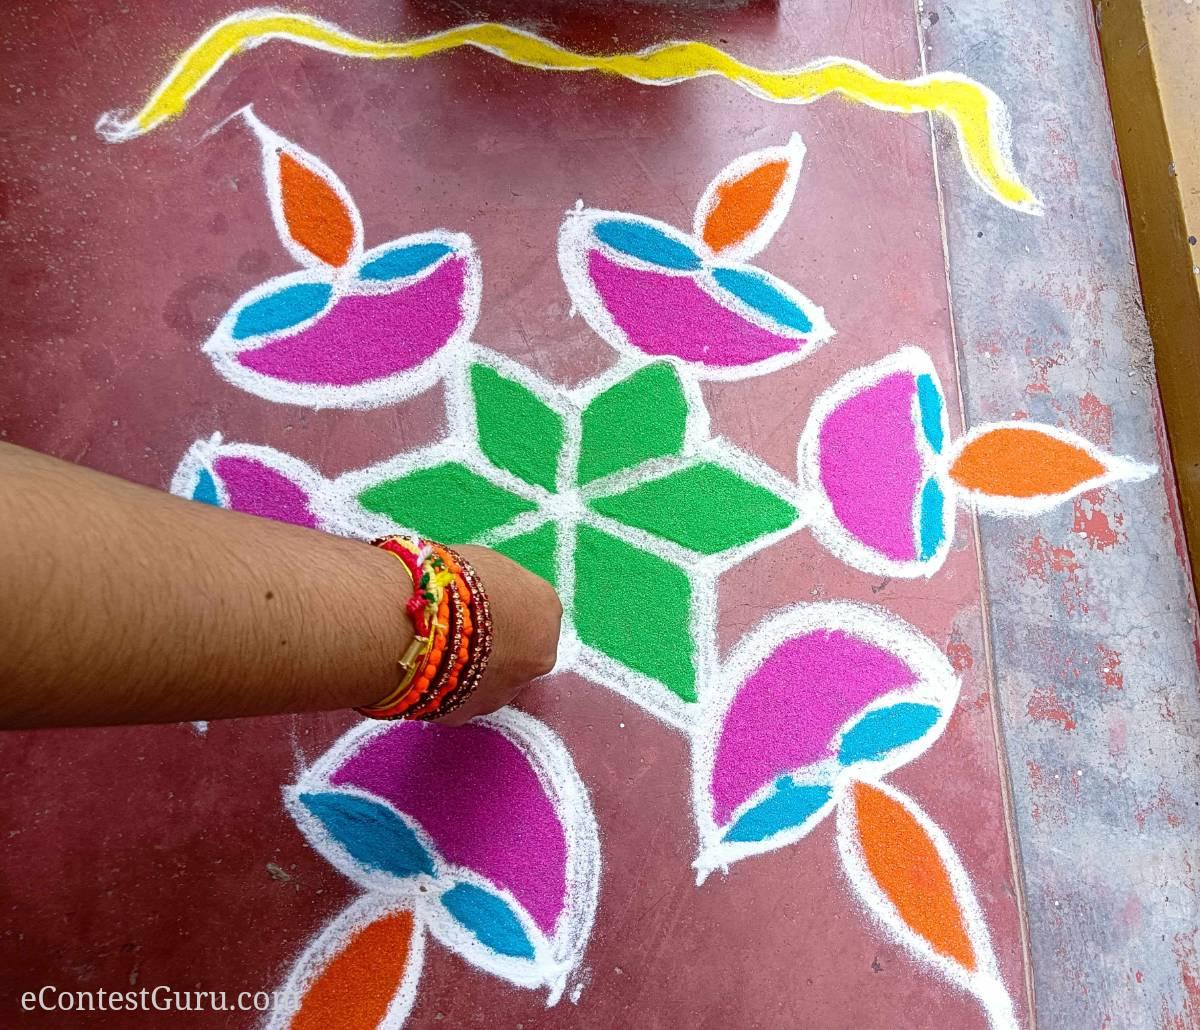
272	143
576	239
1117	470
556	957
936	684
331	941
985	983
344	281
826	526
792	153
204	454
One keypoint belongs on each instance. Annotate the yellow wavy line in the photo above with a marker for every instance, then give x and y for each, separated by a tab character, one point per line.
976	112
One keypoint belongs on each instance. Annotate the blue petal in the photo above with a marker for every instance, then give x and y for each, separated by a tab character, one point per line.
886	729
290	306
642	241
929	397
489	919
206	489
757	290
371	832
790	805
933	525
404	261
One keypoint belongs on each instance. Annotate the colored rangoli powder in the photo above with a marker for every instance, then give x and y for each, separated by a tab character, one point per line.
1023	463
787	713
258	490
476	796
906	865
356	988
315	214
368	337
672	314
870	466
741	205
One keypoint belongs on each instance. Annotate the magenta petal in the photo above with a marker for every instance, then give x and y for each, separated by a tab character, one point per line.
476	795
368	337
673	315
786	715
258	489
870	467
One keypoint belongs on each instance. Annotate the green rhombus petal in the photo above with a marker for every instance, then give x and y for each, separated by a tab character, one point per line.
704	508
517	431
635	608
448	502
534	550
641	417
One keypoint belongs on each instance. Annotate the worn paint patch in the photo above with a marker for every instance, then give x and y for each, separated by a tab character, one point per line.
1183	946
1093	419
1040	558
1055	795
1162	805
1046	706
1101	531
1111	675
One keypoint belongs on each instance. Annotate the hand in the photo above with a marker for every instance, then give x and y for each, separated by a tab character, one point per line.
526	617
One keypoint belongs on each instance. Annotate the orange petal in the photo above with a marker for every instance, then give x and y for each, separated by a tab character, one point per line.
355	988
904	862
1026	461
316	216
741	205
313	212
746	202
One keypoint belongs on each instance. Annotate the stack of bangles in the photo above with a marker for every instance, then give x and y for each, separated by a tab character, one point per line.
452	626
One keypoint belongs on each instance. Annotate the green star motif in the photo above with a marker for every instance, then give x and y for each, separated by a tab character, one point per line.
615	492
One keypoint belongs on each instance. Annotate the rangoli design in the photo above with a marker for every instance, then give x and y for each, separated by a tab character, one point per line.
882	479
806	717
353	329
482	838
616	482
649	289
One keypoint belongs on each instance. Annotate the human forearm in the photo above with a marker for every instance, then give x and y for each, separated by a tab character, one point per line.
119	604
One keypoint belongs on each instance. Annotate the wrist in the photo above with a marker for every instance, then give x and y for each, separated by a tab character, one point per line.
449	645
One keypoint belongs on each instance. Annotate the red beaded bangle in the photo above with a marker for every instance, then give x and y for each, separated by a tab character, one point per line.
429	579
458	660
482	613
453	633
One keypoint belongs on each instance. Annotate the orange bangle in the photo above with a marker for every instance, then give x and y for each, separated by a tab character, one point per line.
429	579
443	667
